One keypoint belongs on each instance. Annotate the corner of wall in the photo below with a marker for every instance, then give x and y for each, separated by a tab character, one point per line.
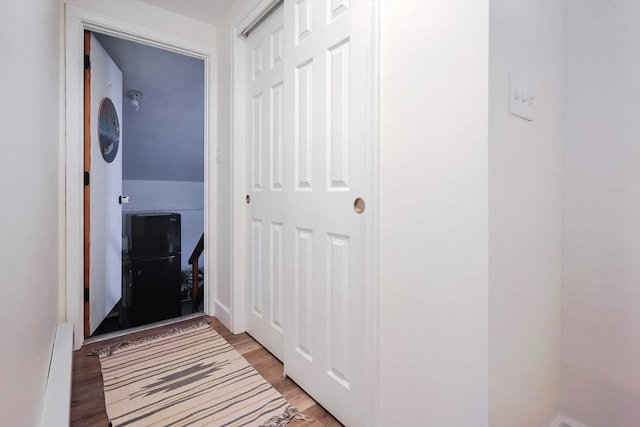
525	214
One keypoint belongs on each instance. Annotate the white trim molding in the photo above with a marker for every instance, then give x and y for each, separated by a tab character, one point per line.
57	395
119	22
562	421
222	312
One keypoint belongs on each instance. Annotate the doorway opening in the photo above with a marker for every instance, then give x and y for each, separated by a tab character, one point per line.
144	251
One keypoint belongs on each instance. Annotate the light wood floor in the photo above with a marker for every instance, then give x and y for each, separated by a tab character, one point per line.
87	395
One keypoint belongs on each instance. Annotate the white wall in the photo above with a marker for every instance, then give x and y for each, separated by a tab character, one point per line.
433	214
601	228
29	114
223	50
185	198
525	215
153	18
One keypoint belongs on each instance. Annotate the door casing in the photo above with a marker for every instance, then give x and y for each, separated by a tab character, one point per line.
76	20
239	186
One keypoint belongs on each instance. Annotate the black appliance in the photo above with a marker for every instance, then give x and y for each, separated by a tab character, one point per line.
151	292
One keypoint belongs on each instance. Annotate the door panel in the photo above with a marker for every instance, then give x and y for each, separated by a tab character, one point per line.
265	127
324	80
105	251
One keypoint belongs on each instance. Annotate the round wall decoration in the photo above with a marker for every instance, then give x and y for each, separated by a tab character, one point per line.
108	130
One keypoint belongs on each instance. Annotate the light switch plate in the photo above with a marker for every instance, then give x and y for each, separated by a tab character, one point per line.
521	99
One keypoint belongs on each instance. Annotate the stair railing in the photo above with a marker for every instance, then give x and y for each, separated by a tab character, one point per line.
193	261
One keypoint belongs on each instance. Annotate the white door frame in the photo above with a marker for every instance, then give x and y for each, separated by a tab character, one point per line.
239	186
78	19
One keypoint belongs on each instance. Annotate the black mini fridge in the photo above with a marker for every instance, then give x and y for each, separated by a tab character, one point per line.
154	261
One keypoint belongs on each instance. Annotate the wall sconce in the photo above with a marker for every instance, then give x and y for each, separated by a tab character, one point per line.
135	96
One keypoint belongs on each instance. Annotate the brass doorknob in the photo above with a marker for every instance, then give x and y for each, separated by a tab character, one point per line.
248	199
358	205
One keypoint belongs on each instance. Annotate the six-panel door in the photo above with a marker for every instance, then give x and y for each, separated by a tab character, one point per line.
265	203
306	153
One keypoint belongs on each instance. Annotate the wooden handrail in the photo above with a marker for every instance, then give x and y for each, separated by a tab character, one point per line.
193	260
197	251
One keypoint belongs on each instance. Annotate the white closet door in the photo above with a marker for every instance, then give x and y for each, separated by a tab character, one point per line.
265	233
324	77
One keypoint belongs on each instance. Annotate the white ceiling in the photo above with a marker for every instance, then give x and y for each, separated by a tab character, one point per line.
203	10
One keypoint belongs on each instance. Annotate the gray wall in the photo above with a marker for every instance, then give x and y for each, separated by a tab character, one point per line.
163	151
164	139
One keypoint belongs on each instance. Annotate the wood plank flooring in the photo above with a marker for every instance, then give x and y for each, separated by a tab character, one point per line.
87	395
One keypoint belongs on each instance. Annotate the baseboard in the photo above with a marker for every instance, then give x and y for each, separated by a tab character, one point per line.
562	421
223	314
57	397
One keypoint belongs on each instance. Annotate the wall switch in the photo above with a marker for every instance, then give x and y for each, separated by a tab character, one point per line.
521	99
219	154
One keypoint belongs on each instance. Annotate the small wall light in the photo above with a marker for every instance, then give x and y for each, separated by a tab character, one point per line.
135	96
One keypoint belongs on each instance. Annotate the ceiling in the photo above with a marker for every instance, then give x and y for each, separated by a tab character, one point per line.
203	10
164	140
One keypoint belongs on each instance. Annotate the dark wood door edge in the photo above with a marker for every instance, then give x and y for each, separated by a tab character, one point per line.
87	169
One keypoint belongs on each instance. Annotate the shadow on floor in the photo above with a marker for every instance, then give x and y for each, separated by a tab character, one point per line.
112	322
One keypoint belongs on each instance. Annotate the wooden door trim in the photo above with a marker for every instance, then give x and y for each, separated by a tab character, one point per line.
87	185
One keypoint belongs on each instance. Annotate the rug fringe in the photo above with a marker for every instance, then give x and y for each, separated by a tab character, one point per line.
283	419
108	351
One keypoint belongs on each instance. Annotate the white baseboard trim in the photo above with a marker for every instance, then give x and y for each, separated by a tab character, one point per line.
223	314
562	421
57	397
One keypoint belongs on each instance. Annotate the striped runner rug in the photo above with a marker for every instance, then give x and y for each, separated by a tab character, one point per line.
189	376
